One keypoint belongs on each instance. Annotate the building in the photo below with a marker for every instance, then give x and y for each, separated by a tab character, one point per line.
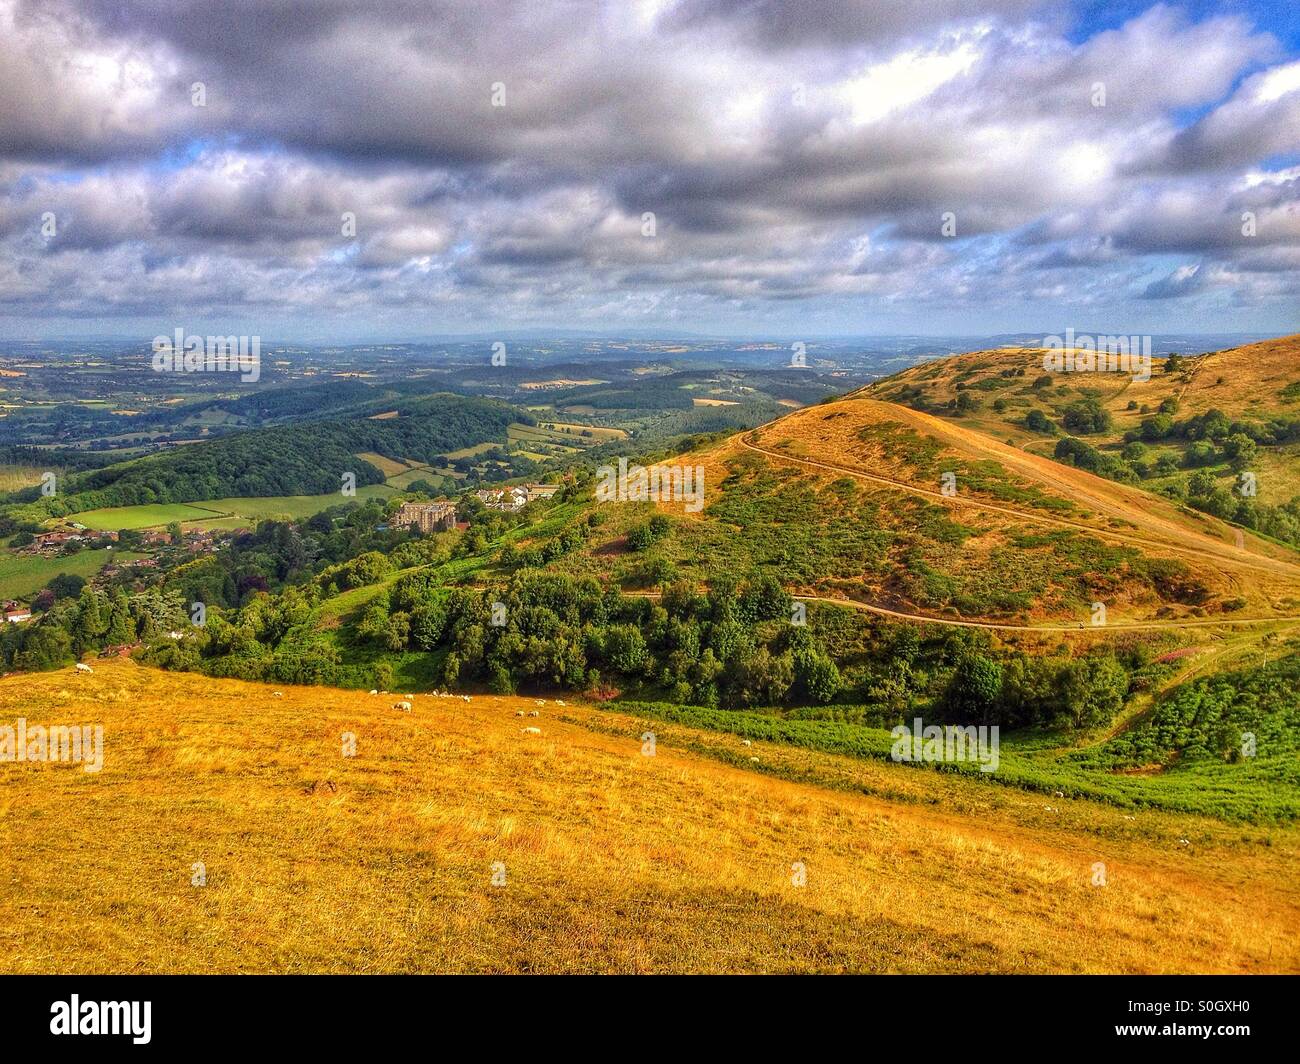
426	516
541	491
507	499
18	614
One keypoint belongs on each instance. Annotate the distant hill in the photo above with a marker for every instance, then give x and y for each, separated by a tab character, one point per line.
302	458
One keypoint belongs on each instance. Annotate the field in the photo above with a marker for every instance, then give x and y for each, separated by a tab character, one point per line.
154	515
21	574
220	513
695	859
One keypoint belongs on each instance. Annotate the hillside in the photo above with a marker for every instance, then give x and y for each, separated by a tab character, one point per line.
1190	418
612	861
847	500
305	458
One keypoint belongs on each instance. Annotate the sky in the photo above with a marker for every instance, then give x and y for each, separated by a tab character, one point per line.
353	170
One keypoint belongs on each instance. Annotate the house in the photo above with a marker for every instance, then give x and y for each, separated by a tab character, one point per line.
507	499
18	614
426	516
541	491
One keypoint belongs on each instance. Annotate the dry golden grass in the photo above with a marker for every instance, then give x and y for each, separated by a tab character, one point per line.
614	862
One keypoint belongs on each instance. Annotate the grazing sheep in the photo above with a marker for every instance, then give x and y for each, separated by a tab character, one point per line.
519	712
1050	809
1127	817
83	667
1184	842
1058	794
405	707
754	759
464	698
539	701
559	702
408	697
745	742
531	731
277	694
374	692
533	713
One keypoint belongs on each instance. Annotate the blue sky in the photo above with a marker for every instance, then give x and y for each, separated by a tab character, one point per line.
374	169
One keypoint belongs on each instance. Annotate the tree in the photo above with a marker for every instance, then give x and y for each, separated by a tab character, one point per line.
975	686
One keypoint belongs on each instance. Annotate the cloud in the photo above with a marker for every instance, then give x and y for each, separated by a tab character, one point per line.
798	159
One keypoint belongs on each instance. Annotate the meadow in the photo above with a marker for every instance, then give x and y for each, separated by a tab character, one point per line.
22	574
234	830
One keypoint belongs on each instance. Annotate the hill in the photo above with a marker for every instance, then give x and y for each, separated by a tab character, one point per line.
1190	432
608	860
304	458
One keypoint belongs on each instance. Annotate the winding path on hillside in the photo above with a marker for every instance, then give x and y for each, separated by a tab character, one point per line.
1221	554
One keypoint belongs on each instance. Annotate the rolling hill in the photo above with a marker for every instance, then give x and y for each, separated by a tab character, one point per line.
454	841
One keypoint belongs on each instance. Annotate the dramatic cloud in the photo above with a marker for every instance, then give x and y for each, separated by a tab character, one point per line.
736	165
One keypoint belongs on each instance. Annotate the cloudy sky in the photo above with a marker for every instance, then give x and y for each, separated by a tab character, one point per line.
357	169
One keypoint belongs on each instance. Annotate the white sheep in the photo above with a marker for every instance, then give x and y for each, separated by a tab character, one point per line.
531	731
519	712
83	667
533	713
1050	809
560	702
745	742
374	692
754	759
1058	794
1127	817
1184	842
277	694
405	707
464	698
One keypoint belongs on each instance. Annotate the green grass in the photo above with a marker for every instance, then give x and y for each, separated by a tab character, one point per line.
117	518
221	513
23	574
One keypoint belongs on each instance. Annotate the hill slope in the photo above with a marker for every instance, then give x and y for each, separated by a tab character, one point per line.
612	861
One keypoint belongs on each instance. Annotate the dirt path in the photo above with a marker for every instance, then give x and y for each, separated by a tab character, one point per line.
1213	550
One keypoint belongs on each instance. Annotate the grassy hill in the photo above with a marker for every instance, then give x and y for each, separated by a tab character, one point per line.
1158	433
608	860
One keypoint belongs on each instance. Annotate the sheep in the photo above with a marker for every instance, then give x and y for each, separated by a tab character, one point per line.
745	742
464	698
83	667
405	707
754	760
1127	817
1058	794
559	702
1184	842
539	701
1050	809
373	692
277	694
533	713
531	731
519	712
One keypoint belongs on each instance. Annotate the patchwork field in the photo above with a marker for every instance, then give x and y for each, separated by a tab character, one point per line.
454	841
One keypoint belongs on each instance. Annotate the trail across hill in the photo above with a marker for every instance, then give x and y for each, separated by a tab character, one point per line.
1228	555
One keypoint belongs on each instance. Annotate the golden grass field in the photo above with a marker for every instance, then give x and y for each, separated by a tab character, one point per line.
613	861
